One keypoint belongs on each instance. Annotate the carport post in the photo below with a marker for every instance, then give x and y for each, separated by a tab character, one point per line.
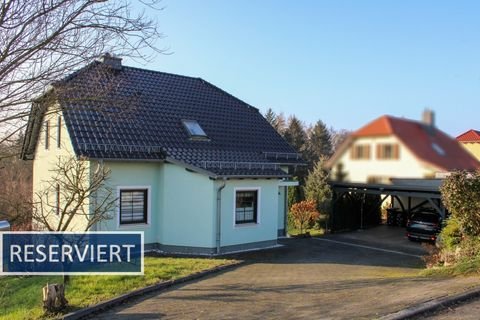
409	207
361	211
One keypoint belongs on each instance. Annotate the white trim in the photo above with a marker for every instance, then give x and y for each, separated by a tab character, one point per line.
149	207
259	196
288	183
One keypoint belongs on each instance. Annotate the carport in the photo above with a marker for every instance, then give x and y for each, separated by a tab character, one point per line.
401	194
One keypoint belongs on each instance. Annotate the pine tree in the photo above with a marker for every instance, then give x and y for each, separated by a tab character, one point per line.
317	188
271	117
319	143
295	134
277	121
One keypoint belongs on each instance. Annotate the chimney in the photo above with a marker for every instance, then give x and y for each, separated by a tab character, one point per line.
428	117
111	61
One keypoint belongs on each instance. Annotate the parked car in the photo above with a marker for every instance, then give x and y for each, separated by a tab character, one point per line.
424	225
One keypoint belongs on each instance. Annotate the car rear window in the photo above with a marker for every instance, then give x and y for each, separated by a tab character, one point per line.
426	217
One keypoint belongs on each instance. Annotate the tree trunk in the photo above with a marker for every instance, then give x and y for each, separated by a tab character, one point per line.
54	297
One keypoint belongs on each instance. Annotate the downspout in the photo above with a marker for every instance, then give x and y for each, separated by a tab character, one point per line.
95	196
285	212
219	215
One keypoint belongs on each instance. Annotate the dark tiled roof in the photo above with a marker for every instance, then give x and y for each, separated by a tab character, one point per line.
134	113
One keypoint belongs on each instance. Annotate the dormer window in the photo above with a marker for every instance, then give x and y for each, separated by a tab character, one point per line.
194	129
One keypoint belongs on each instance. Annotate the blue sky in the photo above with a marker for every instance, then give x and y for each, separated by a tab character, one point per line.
344	62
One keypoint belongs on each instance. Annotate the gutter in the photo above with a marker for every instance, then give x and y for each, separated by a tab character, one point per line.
219	216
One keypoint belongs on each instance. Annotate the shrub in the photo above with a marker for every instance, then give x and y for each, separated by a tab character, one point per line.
451	235
304	213
461	196
460	239
469	249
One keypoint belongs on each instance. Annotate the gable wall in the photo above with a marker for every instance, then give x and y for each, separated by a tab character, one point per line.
473	148
359	170
45	161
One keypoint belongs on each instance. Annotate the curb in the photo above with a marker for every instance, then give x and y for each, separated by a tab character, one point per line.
82	313
432	305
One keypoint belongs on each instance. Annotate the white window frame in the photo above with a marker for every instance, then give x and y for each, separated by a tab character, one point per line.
149	207
259	202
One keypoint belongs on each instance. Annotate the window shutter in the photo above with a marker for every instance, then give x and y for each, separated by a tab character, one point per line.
352	152
59	132
47	134
396	151
57	194
379	151
367	152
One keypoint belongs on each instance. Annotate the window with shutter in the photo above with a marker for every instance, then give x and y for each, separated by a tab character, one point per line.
360	152
388	151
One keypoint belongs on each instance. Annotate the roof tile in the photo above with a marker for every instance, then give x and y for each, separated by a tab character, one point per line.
139	116
424	141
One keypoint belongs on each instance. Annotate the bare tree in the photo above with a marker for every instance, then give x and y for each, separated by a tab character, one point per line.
16	186
338	137
76	195
41	41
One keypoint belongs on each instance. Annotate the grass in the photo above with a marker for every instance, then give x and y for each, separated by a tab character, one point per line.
462	268
313	232
21	297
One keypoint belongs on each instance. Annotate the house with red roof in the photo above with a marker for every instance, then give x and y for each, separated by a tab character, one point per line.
391	147
470	140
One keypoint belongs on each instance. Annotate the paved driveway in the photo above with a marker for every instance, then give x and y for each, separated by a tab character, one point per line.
347	276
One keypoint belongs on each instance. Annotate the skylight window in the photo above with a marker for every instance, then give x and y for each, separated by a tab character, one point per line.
438	149
194	129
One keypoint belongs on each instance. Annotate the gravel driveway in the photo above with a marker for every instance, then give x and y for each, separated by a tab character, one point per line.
345	276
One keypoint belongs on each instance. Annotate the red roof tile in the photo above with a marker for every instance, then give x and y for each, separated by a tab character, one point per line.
469	136
427	143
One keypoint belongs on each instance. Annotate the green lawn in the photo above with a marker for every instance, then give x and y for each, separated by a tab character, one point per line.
313	232
21	297
463	268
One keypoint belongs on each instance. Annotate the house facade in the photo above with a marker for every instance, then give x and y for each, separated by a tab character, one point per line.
196	169
391	147
470	140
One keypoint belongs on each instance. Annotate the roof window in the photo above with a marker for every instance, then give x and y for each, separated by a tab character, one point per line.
194	129
438	149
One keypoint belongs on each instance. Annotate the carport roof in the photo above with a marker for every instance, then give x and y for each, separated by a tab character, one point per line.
412	190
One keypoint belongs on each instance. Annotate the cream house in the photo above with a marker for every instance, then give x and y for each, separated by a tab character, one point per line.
391	147
470	140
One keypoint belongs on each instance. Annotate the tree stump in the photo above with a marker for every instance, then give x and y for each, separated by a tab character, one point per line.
54	297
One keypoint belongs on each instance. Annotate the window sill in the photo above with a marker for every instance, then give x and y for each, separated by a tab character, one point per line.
136	225
246	225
